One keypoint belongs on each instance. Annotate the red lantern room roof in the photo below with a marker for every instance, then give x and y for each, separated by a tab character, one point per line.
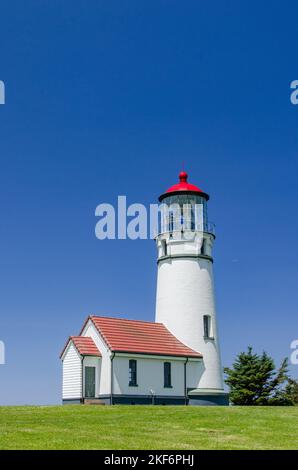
183	186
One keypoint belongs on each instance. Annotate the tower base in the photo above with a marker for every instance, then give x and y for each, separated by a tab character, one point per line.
208	397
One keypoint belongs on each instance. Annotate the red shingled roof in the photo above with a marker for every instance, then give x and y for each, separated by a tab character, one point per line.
140	337
84	345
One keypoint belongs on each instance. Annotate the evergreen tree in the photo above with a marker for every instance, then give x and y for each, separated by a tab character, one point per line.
254	381
291	391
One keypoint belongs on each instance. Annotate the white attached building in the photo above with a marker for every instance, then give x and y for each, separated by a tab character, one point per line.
127	361
176	359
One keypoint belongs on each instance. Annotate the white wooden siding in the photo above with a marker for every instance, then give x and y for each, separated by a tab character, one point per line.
72	377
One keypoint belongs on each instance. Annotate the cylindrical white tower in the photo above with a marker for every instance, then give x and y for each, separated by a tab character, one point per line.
185	289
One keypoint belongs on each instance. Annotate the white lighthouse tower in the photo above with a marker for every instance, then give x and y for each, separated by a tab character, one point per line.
185	289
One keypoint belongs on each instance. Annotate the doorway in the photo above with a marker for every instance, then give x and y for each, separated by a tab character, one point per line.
89	382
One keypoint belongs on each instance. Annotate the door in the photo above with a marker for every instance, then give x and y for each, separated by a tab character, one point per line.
89	382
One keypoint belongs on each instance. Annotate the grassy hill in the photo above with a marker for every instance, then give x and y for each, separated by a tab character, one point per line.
146	427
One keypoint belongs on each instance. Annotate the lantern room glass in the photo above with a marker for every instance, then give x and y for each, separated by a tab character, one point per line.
183	212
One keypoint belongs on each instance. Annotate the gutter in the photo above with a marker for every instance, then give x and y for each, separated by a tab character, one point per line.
112	378
82	386
185	385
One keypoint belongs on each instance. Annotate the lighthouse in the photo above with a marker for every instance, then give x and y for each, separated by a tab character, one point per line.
185	301
174	360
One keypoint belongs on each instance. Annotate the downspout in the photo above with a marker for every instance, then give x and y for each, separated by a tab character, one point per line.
82	386
112	377
185	385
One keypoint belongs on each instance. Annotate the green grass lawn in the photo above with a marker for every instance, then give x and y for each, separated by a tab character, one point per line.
146	427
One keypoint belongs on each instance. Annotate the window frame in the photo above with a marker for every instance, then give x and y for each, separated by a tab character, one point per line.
164	248
132	373
167	375
209	331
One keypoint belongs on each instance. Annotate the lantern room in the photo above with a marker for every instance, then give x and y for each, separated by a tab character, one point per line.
183	208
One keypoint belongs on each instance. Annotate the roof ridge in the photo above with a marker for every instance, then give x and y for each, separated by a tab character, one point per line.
127	319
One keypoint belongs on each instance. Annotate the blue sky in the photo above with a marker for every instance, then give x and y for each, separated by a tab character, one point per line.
109	98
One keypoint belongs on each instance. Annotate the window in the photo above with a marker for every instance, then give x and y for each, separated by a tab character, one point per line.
132	373
171	222
203	247
192	219
164	248
167	375
207	326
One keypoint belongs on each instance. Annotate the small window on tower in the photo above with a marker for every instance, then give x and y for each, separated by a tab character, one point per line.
207	326
164	248
203	247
